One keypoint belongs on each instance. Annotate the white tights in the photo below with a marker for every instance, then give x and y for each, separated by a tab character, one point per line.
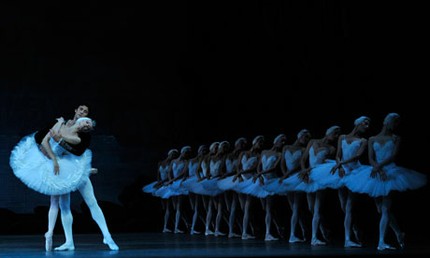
87	193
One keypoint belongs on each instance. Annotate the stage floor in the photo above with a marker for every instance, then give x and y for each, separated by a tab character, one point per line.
182	245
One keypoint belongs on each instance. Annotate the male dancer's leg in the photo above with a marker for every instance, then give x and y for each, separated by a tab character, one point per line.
87	192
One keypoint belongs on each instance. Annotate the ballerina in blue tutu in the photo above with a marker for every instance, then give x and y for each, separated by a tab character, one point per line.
384	176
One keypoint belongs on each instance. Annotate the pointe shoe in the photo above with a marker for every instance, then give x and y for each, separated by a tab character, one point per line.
48	242
218	233
401	240
65	247
246	237
193	232
349	243
231	235
294	239
270	238
178	231
166	230
208	233
383	246
111	244
317	242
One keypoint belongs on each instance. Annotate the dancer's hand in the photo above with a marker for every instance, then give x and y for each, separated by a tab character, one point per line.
94	171
304	175
333	169
374	173
60	119
234	179
55	135
261	179
383	175
56	167
341	172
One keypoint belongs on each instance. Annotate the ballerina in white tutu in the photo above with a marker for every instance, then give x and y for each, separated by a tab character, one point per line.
190	183
247	167
384	176
268	171
290	166
349	151
162	177
173	187
316	180
226	183
82	153
50	169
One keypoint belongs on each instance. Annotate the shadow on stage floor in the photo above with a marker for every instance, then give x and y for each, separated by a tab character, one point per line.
183	245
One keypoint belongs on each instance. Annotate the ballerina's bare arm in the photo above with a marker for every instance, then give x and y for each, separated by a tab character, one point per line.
47	147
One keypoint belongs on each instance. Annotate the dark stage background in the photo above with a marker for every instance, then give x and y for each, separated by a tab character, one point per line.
158	75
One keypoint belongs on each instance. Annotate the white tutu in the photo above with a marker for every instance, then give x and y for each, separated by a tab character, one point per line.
398	179
281	188
36	170
208	187
228	184
192	185
150	188
256	189
320	178
173	189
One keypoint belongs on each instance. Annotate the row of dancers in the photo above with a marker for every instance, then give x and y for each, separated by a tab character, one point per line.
222	176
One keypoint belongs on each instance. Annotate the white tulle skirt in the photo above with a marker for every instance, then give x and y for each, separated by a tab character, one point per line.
174	189
398	179
320	178
257	189
36	170
238	185
150	188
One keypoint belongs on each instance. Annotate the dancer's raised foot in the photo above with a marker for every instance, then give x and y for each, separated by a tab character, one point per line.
109	241
401	240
